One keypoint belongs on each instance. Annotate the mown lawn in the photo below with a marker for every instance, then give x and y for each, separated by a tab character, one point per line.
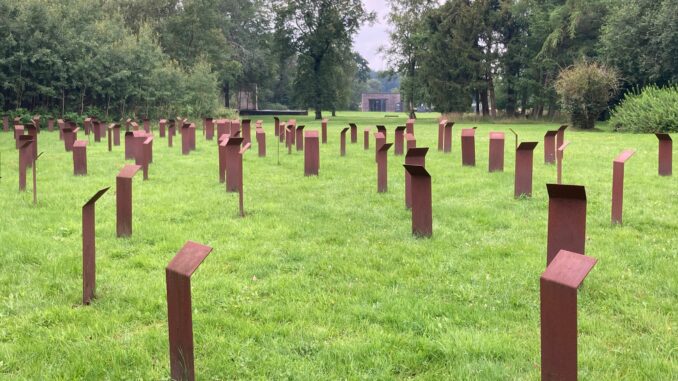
322	279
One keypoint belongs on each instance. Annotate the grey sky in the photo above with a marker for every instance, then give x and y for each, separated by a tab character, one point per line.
370	38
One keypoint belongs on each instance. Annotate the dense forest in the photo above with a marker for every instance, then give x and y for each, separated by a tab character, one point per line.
199	57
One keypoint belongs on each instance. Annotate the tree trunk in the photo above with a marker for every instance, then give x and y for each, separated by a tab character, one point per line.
477	102
493	98
334	111
227	94
484	99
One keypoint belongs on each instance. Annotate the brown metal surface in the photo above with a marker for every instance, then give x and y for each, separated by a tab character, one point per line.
558	296
366	139
414	156
129	145
185	139
179	311
550	147
289	138
162	124
399	140
468	146
116	134
379	140
354	133
618	185
496	162
35	179
441	134
96	129
192	136
300	138
233	164
87	125
560	155
80	158
208	124
560	137
146	155
261	141
18	131
324	131
342	143
281	132
33	131
147	125
422	211
447	138
222	157
241	195
276	126
312	154
566	220
25	156
665	154
523	171
222	128
382	130
123	198
382	167
411	141
5	123
410	126
246	131
70	136
89	247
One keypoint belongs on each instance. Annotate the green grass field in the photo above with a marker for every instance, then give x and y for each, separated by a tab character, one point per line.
322	280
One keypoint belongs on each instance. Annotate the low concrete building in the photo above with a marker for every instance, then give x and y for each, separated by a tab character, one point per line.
384	102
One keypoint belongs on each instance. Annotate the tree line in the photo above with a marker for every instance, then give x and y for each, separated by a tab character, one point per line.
507	55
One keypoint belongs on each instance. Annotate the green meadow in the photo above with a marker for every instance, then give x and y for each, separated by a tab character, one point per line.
323	280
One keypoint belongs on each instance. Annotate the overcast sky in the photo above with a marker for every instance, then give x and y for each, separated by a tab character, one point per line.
370	38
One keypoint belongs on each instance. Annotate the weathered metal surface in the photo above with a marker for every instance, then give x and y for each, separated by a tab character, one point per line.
208	124
312	154
411	141
618	185
179	311
80	158
70	136
410	126
116	134
382	167
261	141
342	142
496	162
354	133
185	139
222	157
89	247
241	192
468	147
414	156
25	156
382	130
558	296
422	211
276	126
123	198
162	125
447	138
379	140
566	220
324	131
560	137
366	139
665	154
233	164
300	138
441	134
18	131
523	172
560	155
246	131
550	147
399	140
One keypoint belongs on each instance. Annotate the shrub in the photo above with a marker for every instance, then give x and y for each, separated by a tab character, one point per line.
585	90
653	109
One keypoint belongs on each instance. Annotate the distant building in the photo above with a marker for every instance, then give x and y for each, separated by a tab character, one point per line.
384	102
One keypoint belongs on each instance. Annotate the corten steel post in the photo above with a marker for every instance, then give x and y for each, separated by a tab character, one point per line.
366	139
5	123
342	148
399	140
276	126
146	155
61	125
233	164
354	133
116	134
191	139
96	130
560	137
447	142
50	124
523	173
235	127
567	219
129	145
289	138
17	121
162	123
246	131
128	122
311	154
324	131
80	158
171	131
300	138
414	156
382	129
172	127
109	132
468	147
558	295
36	122
89	247
516	136
185	139
410	126
222	157
33	131
35	178
135	126
18	131
496	162
379	140
209	128
221	128
70	136
382	168
550	147
123	200
241	192
24	158
87	125
282	128
441	134
261	141
422	211
618	185
560	154
179	311
665	154
411	141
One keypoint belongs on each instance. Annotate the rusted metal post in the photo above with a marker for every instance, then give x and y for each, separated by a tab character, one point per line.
441	134
665	154
618	185
89	247
414	156
447	138
566	220
422	212
311	154
209	128
162	124
411	141
261	141
366	139
399	140
324	131
550	147
342	147
558	295
354	133
233	164
123	199
80	158
241	194
185	139
300	138
523	173
276	128
410	126
496	162
246	131
560	137
382	130
223	140
468	146
382	167
560	156
179	311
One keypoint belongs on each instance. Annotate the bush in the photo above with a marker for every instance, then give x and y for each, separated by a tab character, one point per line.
585	90
651	110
